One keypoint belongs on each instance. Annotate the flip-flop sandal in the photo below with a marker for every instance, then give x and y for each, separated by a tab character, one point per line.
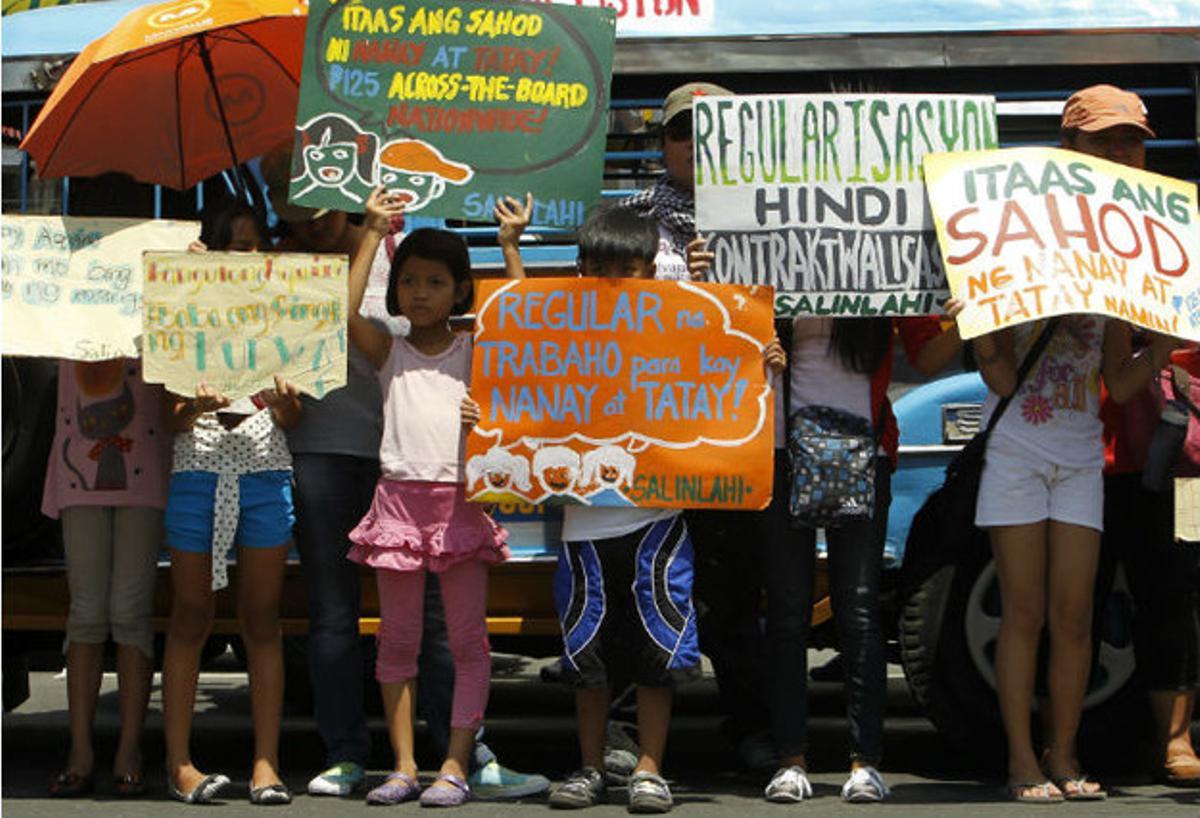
1034	792
72	785
129	785
1073	788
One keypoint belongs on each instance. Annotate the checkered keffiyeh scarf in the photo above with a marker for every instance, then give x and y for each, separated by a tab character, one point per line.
672	208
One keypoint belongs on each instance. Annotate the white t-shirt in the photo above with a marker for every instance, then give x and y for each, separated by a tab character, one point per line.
1055	415
423	436
818	376
605	522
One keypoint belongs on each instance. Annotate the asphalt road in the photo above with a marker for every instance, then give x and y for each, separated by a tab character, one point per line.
530	726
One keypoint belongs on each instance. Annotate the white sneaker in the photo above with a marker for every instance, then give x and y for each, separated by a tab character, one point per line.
789	785
865	785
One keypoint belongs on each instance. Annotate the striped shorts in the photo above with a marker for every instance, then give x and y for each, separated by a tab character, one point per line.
628	601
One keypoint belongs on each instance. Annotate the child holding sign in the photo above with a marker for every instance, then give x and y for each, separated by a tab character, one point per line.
231	482
419	519
621	556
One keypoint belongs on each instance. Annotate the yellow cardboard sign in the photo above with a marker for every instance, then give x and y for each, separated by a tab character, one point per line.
72	288
235	320
1027	233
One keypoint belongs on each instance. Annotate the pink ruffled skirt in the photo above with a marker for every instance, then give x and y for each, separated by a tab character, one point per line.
415	526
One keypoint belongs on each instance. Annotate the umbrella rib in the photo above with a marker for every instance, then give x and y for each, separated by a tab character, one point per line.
246	38
179	118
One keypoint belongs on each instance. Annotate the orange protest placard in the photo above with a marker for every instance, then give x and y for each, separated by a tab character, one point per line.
622	392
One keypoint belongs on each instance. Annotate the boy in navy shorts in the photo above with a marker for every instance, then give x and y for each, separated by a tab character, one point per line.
623	588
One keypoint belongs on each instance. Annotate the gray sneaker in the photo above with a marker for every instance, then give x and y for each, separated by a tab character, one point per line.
618	766
649	793
583	788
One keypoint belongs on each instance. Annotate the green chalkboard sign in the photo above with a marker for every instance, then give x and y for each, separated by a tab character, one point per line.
454	104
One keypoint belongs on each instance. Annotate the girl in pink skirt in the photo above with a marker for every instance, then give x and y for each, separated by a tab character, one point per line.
419	520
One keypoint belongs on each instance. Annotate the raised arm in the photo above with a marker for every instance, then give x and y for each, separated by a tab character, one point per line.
513	218
373	340
997	361
1127	372
994	353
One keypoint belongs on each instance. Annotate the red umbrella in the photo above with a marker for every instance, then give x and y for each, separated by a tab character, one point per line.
143	99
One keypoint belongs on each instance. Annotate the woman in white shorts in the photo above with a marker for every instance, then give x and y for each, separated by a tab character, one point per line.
1041	499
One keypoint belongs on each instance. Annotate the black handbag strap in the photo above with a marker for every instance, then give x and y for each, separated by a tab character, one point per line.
1039	346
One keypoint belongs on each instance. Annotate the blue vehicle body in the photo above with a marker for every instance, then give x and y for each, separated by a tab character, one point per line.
935	419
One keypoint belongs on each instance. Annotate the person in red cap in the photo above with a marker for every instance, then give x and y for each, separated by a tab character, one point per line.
1039	494
1109	123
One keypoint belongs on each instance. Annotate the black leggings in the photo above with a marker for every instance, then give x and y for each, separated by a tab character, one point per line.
1164	580
855	567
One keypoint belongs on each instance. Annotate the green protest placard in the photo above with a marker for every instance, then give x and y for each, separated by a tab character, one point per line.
821	195
235	320
453	104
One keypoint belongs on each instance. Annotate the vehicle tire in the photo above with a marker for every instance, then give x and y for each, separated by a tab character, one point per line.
937	661
948	627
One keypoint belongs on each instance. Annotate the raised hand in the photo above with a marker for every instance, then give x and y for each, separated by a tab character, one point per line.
381	208
513	217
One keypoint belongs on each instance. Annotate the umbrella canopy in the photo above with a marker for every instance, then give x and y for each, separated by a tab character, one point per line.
140	100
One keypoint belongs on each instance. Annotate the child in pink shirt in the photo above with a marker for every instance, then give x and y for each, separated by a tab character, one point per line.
419	520
107	479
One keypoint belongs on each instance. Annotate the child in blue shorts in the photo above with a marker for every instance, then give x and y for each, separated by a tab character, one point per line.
231	483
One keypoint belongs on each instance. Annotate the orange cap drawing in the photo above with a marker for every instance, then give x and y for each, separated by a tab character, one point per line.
416	156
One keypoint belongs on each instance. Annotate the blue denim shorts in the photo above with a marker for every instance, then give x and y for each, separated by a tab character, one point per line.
265	513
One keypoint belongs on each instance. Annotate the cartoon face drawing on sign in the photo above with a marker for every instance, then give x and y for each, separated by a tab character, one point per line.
608	467
557	468
499	470
335	154
417	172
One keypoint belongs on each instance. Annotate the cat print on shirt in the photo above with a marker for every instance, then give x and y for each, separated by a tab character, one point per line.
103	422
